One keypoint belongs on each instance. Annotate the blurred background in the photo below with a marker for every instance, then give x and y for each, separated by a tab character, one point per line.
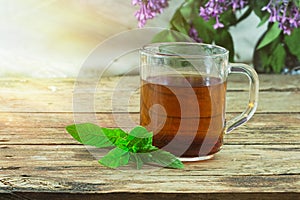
52	38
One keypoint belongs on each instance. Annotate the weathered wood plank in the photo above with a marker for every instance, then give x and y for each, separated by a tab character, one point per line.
47	136
60	120
104	101
56	95
156	184
38	157
66	160
235	82
72	169
44	128
266	82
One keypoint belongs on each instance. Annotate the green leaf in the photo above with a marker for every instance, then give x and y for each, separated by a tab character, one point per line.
170	36
114	134
136	158
140	132
224	39
272	57
292	41
135	146
205	29
89	134
297	3
115	158
71	129
228	18
122	143
277	58
166	159
270	36
179	23
187	10
141	139
263	20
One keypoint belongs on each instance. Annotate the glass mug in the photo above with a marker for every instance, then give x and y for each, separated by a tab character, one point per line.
183	91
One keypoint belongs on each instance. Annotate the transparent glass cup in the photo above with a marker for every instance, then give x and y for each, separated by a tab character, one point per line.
183	97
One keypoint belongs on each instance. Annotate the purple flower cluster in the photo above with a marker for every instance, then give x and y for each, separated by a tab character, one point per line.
193	33
285	12
149	9
214	8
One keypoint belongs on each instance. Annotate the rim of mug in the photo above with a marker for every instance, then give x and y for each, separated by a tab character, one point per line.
148	49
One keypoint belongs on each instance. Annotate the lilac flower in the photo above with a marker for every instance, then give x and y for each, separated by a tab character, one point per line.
237	4
285	12
149	9
193	33
218	24
214	8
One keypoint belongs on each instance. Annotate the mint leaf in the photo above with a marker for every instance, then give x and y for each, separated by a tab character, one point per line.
135	146
136	158
140	139
160	157
140	132
114	134
166	159
115	158
89	134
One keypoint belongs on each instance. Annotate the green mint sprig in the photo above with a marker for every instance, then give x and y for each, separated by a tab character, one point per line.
135	146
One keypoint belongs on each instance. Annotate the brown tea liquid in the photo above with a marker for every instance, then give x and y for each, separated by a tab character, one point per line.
185	113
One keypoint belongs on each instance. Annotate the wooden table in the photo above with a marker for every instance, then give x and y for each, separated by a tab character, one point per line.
39	160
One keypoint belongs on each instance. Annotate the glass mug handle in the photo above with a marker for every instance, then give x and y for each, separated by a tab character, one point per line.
240	68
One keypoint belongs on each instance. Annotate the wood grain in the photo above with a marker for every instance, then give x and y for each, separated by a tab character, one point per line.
38	159
55	96
59	160
104	102
235	83
19	128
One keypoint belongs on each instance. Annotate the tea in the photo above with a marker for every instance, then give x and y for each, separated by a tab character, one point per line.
185	113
